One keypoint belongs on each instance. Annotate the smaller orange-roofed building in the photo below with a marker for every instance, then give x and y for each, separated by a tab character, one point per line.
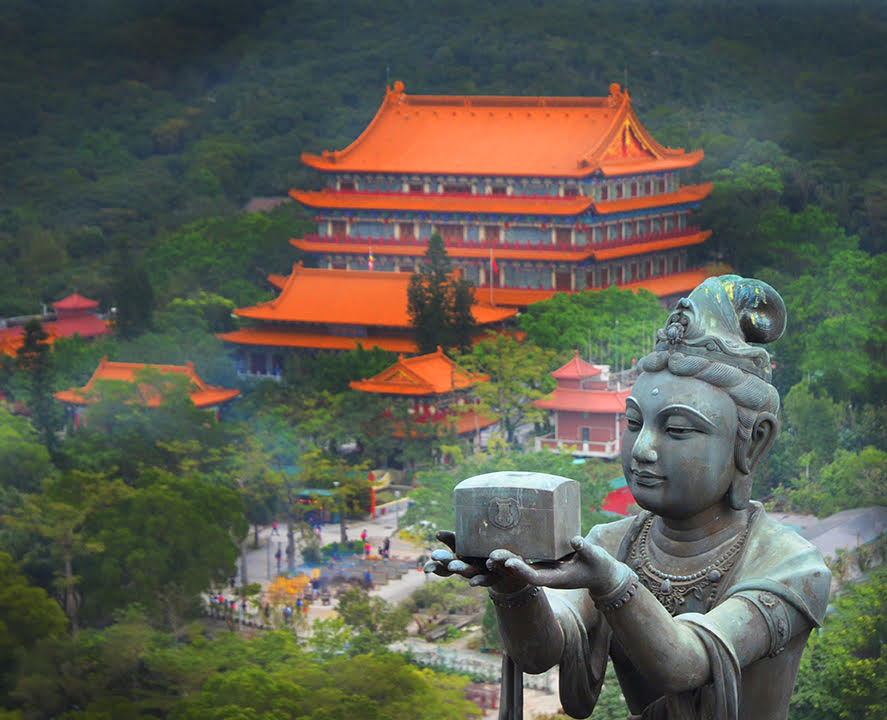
74	315
204	396
433	386
321	309
588	409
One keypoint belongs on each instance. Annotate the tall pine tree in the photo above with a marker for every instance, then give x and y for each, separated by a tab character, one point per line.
440	304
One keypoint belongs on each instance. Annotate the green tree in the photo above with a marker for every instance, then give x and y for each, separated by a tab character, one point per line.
374	622
518	375
29	615
439	304
843	671
35	380
851	480
610	326
134	297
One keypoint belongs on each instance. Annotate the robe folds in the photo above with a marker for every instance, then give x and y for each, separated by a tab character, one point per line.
777	571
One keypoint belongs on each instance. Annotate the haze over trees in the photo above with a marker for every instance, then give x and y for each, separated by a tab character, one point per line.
132	136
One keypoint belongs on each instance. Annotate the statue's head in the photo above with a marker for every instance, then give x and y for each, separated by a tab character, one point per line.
703	411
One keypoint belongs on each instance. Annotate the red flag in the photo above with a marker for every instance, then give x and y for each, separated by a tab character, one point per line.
493	266
370	262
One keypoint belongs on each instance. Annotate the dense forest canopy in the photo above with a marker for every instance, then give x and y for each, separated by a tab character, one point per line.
124	122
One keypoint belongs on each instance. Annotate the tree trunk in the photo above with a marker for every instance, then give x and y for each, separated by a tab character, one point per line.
244	575
70	599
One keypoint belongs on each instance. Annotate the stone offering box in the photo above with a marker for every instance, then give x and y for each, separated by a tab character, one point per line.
532	514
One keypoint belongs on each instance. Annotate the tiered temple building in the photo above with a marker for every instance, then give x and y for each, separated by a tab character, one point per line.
329	310
204	396
434	390
588	410
532	195
74	315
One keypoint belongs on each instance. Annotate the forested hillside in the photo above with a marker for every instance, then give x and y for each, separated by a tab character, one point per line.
124	122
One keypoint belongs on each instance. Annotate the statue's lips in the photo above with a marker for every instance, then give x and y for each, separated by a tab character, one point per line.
648	479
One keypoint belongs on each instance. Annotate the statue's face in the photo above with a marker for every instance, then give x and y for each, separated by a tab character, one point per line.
677	451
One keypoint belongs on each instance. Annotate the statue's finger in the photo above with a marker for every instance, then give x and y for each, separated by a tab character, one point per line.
436	568
448	538
482	580
501	555
443	556
590	553
516	567
462	568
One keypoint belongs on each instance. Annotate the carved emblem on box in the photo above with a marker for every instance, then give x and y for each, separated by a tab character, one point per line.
504	512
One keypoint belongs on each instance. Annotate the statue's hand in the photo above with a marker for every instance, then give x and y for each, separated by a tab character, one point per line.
591	567
478	572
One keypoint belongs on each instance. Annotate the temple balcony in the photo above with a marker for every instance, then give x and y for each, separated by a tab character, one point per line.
580	448
410	242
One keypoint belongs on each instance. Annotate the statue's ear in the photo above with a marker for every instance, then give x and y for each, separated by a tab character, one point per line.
763	435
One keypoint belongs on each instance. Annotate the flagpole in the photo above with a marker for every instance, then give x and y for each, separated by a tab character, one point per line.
491	274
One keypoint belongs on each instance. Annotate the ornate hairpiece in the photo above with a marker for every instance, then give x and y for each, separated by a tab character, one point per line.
719	320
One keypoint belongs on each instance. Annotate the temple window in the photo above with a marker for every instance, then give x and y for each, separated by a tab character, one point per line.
605	192
656	224
417	188
570	192
346	185
562	236
676	264
605	277
648	187
643	227
339	227
682	220
634	272
597	234
661	185
661	266
406	231
618	190
498	190
457	188
627	229
634	189
618	275
669	222
491	233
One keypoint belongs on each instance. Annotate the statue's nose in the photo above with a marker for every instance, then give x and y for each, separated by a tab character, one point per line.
643	450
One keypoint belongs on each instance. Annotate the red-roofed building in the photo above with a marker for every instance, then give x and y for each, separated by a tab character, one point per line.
74	315
588	410
532	195
320	309
432	386
205	397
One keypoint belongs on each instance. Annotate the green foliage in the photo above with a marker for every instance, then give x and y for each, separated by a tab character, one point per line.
852	479
134	297
33	381
843	670
518	375
29	615
374	622
26	461
612	326
332	372
439	304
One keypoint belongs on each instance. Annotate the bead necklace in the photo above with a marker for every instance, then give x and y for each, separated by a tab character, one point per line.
673	590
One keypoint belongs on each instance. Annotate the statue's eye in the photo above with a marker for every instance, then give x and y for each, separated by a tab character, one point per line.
633	424
680	430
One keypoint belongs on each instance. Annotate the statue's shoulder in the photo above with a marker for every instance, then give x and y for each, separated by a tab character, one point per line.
609	536
776	558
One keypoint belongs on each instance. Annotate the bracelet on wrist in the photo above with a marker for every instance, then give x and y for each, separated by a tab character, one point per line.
620	594
515	599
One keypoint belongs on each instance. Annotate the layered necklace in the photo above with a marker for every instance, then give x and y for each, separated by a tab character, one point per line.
674	591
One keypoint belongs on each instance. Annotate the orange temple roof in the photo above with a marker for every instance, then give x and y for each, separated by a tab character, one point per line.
595	401
507	136
349	297
576	369
75	302
489	204
431	374
501	253
492	204
651	246
273	337
201	394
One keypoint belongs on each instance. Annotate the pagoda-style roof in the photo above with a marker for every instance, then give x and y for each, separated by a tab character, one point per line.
492	204
75	302
293	338
576	369
456	203
432	374
201	394
504	136
349	297
592	401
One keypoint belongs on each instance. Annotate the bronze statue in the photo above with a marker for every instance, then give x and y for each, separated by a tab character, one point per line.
702	602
